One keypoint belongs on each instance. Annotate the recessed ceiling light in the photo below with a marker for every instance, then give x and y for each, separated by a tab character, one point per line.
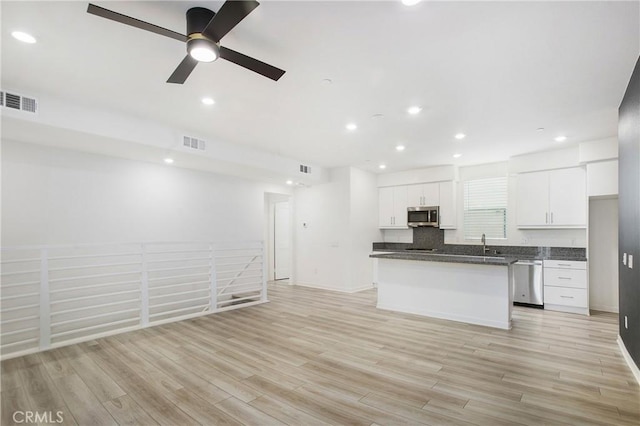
382	166
560	138
326	81
410	2
351	126
168	160
23	37
457	155
540	129
460	136
400	148
208	101
289	182
414	110
377	116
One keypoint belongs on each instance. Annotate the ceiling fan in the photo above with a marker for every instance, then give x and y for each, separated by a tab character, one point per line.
204	31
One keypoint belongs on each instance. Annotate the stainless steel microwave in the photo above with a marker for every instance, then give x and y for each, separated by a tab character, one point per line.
423	216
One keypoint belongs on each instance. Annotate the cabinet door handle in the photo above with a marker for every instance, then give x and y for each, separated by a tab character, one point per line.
546	217
551	217
564	278
564	264
567	297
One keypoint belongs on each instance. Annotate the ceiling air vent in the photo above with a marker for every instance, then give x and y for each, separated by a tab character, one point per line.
193	143
305	169
18	102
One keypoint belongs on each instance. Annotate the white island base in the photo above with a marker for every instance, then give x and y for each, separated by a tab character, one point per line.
467	292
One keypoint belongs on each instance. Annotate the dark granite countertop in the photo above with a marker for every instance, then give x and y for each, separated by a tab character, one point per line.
450	258
517	256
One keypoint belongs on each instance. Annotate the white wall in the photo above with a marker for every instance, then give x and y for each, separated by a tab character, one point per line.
321	218
603	254
363	227
55	196
341	219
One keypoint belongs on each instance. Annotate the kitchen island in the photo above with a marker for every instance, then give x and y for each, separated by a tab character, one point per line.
470	289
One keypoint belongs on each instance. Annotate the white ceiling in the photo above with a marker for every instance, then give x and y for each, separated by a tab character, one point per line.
496	71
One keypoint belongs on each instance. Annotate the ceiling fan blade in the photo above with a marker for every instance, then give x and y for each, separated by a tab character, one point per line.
252	64
229	15
124	19
181	73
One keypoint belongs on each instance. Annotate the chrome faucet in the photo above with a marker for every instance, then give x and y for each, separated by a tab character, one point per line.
484	244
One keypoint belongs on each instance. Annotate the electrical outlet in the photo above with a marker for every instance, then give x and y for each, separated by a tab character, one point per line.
626	325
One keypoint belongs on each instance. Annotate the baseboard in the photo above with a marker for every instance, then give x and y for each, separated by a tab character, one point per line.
627	357
320	287
613	309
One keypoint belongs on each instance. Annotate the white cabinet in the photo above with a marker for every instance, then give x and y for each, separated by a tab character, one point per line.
566	287
602	178
424	194
392	204
552	199
447	203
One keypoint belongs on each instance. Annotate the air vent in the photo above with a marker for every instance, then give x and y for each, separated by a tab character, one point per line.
18	102
29	104
305	169
193	143
13	101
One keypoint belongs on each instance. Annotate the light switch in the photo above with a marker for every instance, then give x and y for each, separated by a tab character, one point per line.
624	259
630	261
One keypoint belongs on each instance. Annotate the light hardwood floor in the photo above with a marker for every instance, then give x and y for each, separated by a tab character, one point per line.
312	357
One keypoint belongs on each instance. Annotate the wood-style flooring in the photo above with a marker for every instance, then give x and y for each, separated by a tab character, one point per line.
312	357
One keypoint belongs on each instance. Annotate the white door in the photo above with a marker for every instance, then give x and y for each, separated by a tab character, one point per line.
415	196
568	197
532	205
282	251
385	206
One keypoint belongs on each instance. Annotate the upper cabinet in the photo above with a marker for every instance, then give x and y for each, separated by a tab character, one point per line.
424	194
392	204
394	200
552	199
602	179
447	205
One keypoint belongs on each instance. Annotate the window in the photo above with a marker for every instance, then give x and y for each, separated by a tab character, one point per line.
485	208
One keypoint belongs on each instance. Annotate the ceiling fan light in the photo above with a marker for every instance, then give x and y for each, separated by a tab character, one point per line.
203	50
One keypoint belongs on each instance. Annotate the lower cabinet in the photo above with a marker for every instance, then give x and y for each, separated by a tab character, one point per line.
566	286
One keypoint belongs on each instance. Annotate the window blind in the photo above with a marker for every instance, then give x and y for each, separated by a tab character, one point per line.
485	208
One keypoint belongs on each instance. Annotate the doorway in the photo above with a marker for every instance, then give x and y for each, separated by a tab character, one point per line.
281	241
278	237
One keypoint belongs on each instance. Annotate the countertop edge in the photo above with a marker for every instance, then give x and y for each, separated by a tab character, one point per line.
448	258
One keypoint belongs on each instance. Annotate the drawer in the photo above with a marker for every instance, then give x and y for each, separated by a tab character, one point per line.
576	278
566	296
571	264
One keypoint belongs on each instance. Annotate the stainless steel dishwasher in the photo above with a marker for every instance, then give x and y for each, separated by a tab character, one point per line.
527	283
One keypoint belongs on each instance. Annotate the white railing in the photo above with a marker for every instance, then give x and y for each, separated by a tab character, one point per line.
52	296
